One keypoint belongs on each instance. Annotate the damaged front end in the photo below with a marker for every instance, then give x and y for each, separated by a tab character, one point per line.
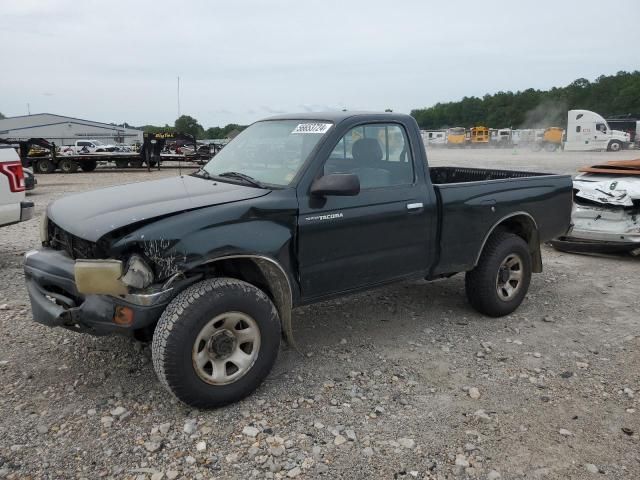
72	287
606	212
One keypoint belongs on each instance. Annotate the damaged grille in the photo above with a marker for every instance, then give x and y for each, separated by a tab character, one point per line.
75	247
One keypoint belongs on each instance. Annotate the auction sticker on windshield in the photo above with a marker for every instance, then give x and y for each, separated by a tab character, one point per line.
312	128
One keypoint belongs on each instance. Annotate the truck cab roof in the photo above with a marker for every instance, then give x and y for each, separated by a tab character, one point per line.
338	116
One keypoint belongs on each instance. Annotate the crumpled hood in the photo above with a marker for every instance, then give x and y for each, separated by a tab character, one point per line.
91	215
608	189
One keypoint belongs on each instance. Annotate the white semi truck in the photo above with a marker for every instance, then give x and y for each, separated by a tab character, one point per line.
588	131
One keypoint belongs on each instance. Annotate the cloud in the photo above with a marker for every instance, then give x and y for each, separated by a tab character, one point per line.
239	61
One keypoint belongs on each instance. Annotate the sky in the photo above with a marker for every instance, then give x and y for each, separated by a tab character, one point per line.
243	60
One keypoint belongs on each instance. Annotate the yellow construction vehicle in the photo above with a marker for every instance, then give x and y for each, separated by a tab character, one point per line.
550	139
456	137
479	136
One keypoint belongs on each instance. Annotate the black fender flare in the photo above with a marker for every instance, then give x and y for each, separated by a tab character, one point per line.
524	225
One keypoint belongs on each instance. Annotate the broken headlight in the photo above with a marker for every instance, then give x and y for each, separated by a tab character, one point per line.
137	274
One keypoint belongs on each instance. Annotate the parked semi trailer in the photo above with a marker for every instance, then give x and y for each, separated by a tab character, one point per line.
49	158
588	131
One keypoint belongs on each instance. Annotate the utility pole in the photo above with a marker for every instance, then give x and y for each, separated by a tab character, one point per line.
28	109
178	97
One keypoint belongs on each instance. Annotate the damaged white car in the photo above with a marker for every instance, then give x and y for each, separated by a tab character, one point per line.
606	210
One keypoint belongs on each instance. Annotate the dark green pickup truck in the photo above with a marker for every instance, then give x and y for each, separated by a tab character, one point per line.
296	209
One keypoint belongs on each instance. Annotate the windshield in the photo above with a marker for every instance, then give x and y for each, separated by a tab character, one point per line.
270	152
457	131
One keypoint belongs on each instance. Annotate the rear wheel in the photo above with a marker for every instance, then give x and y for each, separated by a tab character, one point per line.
614	146
122	163
89	166
68	166
45	165
499	283
136	163
216	342
551	147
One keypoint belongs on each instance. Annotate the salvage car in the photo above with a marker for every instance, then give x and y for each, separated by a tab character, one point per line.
295	210
606	210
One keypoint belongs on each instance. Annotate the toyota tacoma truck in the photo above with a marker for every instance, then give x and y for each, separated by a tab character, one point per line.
295	210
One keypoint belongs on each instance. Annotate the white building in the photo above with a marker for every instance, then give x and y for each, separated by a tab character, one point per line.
65	130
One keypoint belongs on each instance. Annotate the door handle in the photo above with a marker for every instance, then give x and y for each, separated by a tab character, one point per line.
414	206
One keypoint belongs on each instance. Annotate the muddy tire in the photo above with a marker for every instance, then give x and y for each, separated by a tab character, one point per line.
67	165
89	166
614	146
216	342
122	163
45	166
499	283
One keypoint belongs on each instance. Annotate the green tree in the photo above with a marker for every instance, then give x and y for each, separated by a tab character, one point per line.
156	128
223	132
608	95
187	124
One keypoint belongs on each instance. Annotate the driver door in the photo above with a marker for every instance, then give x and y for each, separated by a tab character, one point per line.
348	242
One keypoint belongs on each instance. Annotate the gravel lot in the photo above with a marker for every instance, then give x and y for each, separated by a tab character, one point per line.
406	381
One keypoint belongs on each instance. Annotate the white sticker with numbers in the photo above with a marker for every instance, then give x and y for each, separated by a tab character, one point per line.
312	128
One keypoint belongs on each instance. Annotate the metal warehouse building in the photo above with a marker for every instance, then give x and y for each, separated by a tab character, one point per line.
65	130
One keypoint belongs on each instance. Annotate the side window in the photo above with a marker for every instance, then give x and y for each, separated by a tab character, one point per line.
578	129
378	154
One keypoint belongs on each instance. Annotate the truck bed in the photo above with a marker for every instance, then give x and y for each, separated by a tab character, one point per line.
481	198
443	175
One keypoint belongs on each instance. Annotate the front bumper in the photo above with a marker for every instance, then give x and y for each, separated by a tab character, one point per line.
56	302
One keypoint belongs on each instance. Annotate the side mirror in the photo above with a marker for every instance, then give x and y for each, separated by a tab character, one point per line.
342	184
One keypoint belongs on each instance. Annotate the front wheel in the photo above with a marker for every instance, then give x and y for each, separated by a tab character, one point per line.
499	283
216	342
614	146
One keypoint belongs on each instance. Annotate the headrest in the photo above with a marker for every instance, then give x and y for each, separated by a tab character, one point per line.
367	150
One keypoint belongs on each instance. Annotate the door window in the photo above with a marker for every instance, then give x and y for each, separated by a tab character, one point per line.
378	154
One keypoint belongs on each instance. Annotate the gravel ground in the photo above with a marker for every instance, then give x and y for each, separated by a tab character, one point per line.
405	381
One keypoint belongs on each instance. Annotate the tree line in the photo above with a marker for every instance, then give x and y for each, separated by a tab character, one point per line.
188	124
610	95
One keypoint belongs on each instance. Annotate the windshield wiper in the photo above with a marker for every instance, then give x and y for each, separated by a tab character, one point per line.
202	173
242	176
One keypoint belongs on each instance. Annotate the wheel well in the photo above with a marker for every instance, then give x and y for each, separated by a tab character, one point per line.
525	227
263	273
